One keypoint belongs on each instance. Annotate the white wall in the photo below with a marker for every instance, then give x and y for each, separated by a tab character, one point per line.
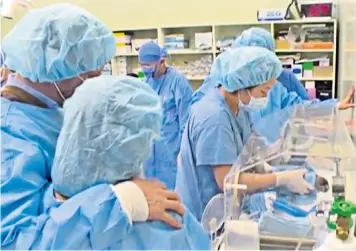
120	14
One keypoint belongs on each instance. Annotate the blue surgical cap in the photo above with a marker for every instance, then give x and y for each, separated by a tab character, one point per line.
151	52
249	66
255	37
220	64
109	124
58	42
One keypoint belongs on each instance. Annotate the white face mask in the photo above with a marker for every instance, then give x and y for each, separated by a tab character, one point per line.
257	103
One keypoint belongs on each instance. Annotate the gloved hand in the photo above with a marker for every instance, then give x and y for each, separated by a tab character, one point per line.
294	181
347	102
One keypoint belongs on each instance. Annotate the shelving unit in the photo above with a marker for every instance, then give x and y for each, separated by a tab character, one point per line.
179	57
304	51
189	52
196	78
315	79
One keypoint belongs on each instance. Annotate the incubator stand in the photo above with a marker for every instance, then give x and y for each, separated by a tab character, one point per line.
314	138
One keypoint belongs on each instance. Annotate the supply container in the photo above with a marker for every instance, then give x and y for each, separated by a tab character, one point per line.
308	69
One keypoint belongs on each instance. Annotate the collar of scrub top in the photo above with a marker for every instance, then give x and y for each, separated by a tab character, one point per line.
13	81
160	77
222	99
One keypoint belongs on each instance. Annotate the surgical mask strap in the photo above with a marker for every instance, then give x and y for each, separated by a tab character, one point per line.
240	100
82	79
239	104
249	93
59	91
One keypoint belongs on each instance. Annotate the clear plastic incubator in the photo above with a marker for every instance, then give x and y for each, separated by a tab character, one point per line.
313	138
347	57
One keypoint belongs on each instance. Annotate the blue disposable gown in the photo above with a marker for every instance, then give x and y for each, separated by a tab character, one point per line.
92	219
292	84
155	235
175	92
213	136
279	98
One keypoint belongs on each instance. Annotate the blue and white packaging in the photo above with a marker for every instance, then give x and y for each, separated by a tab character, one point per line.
297	70
271	14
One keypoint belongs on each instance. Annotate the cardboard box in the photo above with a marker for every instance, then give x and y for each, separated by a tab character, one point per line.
308	69
122	38
174	38
123	49
317	45
137	42
282	45
323	72
204	40
176	45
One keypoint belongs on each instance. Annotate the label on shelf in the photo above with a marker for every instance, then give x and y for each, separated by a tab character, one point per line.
271	14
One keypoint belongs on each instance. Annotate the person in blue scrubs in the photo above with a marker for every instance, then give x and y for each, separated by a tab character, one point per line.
288	91
175	92
278	97
52	50
256	36
214	137
112	155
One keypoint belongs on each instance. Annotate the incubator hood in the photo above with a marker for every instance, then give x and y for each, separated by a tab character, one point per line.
312	137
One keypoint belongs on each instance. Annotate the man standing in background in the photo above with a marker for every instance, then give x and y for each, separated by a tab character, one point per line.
175	92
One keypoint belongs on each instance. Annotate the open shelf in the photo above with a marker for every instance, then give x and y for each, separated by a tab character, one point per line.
304	51
316	79
189	53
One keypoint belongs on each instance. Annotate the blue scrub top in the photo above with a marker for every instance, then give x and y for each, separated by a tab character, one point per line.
213	136
156	235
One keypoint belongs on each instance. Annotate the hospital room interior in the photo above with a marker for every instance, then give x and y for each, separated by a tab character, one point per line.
178	125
